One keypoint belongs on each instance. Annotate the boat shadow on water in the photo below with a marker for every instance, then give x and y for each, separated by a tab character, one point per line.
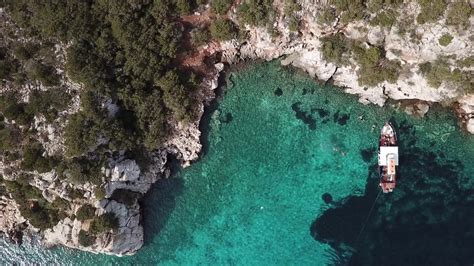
427	220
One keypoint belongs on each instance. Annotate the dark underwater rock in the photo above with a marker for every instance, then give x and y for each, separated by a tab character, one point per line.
304	116
278	92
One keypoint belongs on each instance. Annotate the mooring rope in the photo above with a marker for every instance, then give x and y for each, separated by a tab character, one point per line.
368	217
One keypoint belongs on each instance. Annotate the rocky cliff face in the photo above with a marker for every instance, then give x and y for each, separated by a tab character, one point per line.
303	49
120	175
125	175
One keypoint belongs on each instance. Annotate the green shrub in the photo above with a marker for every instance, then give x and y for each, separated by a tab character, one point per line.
184	7
86	239
5	69
30	155
14	110
25	52
385	19
38	215
76	193
7	140
431	10
445	40
48	103
466	62
327	16
291	7
104	223
99	193
220	6
31	203
439	71
256	12
374	67
60	204
85	212
81	134
45	74
22	191
458	14
294	23
80	171
223	29
349	9
375	6
335	49
200	36
33	159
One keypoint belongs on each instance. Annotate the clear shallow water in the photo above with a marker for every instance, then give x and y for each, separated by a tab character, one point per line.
277	143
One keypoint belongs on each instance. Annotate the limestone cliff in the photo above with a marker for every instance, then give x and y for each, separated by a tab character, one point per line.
124	178
303	49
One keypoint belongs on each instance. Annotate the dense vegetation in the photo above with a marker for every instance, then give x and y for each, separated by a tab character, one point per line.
431	10
124	54
384	11
445	40
223	29
39	212
104	223
336	49
374	67
256	12
99	224
86	239
85	212
458	14
220	6
439	71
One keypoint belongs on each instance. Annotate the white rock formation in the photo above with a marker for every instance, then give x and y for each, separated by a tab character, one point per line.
126	170
466	112
10	218
303	51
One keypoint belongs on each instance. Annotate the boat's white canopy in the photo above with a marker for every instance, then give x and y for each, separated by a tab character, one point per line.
388	153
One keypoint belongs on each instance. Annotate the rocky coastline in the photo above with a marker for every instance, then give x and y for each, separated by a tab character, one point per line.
300	49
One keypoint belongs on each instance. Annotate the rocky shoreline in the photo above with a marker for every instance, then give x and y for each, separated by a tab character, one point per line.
301	49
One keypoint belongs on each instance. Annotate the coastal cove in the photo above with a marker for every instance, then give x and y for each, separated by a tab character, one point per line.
288	165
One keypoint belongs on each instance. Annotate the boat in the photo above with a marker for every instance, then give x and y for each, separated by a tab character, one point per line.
388	158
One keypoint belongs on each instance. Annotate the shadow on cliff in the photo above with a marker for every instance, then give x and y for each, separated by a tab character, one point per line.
204	124
428	220
160	201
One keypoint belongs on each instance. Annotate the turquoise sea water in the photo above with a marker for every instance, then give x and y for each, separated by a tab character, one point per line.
278	142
